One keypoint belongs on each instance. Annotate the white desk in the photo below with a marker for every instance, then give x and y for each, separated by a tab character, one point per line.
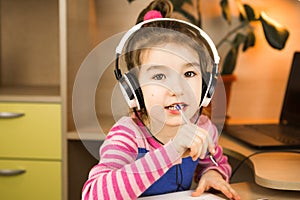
251	191
276	170
247	191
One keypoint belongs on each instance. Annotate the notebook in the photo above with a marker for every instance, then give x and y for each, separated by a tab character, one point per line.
286	134
183	195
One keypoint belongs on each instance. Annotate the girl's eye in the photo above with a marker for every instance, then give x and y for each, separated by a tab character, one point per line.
190	74
159	77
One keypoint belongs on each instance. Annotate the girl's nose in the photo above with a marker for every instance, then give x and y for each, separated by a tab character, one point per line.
177	88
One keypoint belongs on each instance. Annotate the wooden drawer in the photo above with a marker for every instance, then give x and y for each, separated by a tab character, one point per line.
36	134
39	180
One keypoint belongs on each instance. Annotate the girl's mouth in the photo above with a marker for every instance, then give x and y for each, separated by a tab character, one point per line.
172	107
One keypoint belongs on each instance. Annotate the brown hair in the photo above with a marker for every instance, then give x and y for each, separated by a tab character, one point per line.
165	7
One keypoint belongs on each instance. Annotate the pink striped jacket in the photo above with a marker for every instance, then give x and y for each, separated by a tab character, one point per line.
120	175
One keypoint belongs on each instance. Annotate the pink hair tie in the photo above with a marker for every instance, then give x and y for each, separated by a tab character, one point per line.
152	14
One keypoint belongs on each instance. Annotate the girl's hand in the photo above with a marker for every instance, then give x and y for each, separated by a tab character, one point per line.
213	179
193	141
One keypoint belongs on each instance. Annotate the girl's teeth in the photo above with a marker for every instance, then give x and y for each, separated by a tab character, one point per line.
174	107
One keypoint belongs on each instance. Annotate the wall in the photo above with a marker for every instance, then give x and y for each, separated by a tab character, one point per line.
262	72
29	57
90	24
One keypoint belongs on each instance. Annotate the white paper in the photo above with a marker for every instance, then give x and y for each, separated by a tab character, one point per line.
184	195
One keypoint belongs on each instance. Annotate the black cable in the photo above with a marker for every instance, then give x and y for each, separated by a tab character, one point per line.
259	152
242	162
199	114
181	175
179	184
148	130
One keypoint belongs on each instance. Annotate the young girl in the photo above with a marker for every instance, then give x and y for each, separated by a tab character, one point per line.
158	148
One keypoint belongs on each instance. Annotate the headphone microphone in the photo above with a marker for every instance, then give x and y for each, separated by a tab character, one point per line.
129	83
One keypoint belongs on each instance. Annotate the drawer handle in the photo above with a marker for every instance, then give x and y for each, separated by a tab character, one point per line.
6	115
11	172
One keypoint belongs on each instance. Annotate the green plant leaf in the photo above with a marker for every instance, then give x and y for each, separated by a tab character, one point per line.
249	41
177	4
230	61
275	33
241	9
226	10
250	12
239	39
189	16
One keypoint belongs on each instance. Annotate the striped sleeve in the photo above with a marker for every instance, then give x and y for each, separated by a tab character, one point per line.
119	175
223	167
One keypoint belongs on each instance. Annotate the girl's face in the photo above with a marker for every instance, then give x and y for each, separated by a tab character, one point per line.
170	75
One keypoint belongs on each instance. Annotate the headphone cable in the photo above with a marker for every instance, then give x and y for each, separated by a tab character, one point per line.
179	184
148	130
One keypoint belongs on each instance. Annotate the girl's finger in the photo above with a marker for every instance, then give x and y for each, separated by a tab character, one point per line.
210	145
203	147
200	189
203	150
194	149
200	146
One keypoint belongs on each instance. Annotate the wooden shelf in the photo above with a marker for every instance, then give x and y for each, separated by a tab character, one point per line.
30	93
86	136
90	132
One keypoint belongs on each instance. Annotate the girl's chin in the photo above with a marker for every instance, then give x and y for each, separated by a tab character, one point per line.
169	118
175	121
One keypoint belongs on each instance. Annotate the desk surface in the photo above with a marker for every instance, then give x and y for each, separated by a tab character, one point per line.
247	191
254	192
276	170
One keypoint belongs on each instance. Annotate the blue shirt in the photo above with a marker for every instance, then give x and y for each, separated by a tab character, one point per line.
177	178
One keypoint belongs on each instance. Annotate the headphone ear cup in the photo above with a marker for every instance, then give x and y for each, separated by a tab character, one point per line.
204	88
127	92
131	91
206	99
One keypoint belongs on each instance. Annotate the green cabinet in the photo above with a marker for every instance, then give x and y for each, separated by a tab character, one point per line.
30	151
30	179
30	130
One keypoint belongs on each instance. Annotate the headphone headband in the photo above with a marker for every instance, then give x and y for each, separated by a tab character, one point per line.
131	31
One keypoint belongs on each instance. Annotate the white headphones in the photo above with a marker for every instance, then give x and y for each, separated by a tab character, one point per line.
129	84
